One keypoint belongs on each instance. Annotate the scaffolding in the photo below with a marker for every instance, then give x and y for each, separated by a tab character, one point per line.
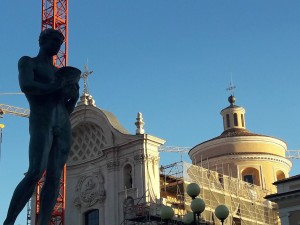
245	201
171	188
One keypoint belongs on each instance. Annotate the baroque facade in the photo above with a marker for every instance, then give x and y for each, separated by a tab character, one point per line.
107	166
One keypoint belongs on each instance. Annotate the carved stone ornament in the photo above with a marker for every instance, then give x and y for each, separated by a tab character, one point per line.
113	165
89	190
139	158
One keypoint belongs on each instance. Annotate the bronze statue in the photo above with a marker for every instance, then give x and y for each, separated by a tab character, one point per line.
52	94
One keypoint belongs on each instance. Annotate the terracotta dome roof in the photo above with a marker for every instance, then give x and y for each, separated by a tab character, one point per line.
235	132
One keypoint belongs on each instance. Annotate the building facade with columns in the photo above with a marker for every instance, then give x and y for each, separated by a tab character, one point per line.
108	167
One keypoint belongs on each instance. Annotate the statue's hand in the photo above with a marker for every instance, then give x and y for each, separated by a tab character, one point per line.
75	91
71	91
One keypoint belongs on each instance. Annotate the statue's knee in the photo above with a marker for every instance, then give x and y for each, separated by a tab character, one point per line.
34	175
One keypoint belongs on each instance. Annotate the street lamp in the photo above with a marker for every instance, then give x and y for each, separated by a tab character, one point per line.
193	190
222	213
188	218
197	204
166	213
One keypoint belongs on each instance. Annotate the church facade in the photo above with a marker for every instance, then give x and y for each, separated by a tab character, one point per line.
108	167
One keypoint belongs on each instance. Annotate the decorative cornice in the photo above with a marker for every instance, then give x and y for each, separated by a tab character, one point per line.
245	156
220	142
141	158
285	195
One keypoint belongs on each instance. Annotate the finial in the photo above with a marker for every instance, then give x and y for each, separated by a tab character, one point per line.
85	76
86	98
139	124
231	88
231	99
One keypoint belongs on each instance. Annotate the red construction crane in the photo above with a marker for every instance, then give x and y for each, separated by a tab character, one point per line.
55	15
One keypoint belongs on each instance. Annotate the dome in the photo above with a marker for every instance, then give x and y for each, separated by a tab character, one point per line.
242	154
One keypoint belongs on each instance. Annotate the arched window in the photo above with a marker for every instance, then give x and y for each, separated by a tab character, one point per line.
128	176
251	175
280	175
227	120
242	119
235	119
91	217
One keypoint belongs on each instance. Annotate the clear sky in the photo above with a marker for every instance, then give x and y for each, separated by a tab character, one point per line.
172	60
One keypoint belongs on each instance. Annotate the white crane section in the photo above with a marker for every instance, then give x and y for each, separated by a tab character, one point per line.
16	111
290	154
293	154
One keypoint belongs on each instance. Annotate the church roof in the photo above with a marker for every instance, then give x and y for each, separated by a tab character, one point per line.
235	132
231	106
114	121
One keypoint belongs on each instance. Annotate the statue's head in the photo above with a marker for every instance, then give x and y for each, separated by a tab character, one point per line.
51	40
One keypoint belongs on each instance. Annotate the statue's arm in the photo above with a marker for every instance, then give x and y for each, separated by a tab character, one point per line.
26	79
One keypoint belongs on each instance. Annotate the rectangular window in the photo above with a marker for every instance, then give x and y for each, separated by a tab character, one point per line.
228	120
235	119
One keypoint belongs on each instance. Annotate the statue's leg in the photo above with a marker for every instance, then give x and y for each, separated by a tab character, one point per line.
40	139
57	159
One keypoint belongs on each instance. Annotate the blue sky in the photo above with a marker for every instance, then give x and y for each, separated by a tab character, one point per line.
172	60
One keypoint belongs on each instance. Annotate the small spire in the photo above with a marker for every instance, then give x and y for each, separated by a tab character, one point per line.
86	73
86	98
231	88
139	124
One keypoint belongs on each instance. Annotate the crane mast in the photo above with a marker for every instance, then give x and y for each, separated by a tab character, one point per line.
55	15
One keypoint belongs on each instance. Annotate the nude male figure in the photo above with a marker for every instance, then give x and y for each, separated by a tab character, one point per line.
51	99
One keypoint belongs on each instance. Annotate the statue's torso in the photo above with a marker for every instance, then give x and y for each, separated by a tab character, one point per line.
51	106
